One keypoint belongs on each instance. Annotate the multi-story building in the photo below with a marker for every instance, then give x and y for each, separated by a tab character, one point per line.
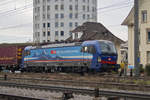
144	33
54	19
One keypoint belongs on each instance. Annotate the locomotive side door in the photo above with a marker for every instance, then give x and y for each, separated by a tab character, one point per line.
84	57
94	59
87	53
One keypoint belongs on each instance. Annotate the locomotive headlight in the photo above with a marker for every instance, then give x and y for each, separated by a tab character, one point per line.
99	59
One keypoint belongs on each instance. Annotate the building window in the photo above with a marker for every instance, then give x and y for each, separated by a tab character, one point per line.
76	15
48	25
62	24
83	16
62	15
70	7
88	9
62	33
35	10
48	16
76	7
93	1
44	16
62	7
148	34
38	9
56	16
70	33
93	9
38	34
48	33
43	8
48	8
88	16
76	24
56	33
43	25
83	8
44	34
38	1
70	15
38	25
76	0
56	7
56	24
44	1
70	24
35	1
76	35
144	16
148	57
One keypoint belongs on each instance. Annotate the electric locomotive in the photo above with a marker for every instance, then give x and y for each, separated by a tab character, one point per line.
95	55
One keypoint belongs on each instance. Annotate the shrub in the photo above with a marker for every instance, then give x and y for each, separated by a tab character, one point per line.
147	69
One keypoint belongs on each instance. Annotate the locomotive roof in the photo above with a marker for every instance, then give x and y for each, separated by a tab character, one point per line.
95	42
53	45
67	44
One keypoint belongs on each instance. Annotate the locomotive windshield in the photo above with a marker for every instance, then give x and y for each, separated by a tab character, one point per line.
107	48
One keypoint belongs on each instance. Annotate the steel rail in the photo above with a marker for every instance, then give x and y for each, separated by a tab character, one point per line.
87	83
117	78
79	90
16	97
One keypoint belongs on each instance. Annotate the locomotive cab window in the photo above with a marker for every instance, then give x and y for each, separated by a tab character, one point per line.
27	52
88	49
84	49
107	48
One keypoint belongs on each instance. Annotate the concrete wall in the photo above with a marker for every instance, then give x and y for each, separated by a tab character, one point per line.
144	45
119	53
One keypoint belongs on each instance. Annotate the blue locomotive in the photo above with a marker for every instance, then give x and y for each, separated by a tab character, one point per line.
96	55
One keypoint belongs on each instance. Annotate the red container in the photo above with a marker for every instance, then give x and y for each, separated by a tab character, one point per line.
10	55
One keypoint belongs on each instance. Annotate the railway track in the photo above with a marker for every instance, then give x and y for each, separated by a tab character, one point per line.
15	97
107	84
81	91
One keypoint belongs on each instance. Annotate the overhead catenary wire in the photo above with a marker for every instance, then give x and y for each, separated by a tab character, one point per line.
103	8
54	18
17	9
21	25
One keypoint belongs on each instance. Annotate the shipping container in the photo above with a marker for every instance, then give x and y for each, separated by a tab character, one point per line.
10	56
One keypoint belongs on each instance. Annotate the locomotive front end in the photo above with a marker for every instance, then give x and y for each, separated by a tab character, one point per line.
108	56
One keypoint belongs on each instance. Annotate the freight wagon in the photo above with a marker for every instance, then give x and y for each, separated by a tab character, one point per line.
10	57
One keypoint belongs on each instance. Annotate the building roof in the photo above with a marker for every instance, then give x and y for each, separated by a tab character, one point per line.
95	31
129	19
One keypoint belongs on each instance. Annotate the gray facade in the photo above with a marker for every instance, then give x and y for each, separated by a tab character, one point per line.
54	19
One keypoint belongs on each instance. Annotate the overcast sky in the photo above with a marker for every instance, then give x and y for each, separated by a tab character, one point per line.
16	18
